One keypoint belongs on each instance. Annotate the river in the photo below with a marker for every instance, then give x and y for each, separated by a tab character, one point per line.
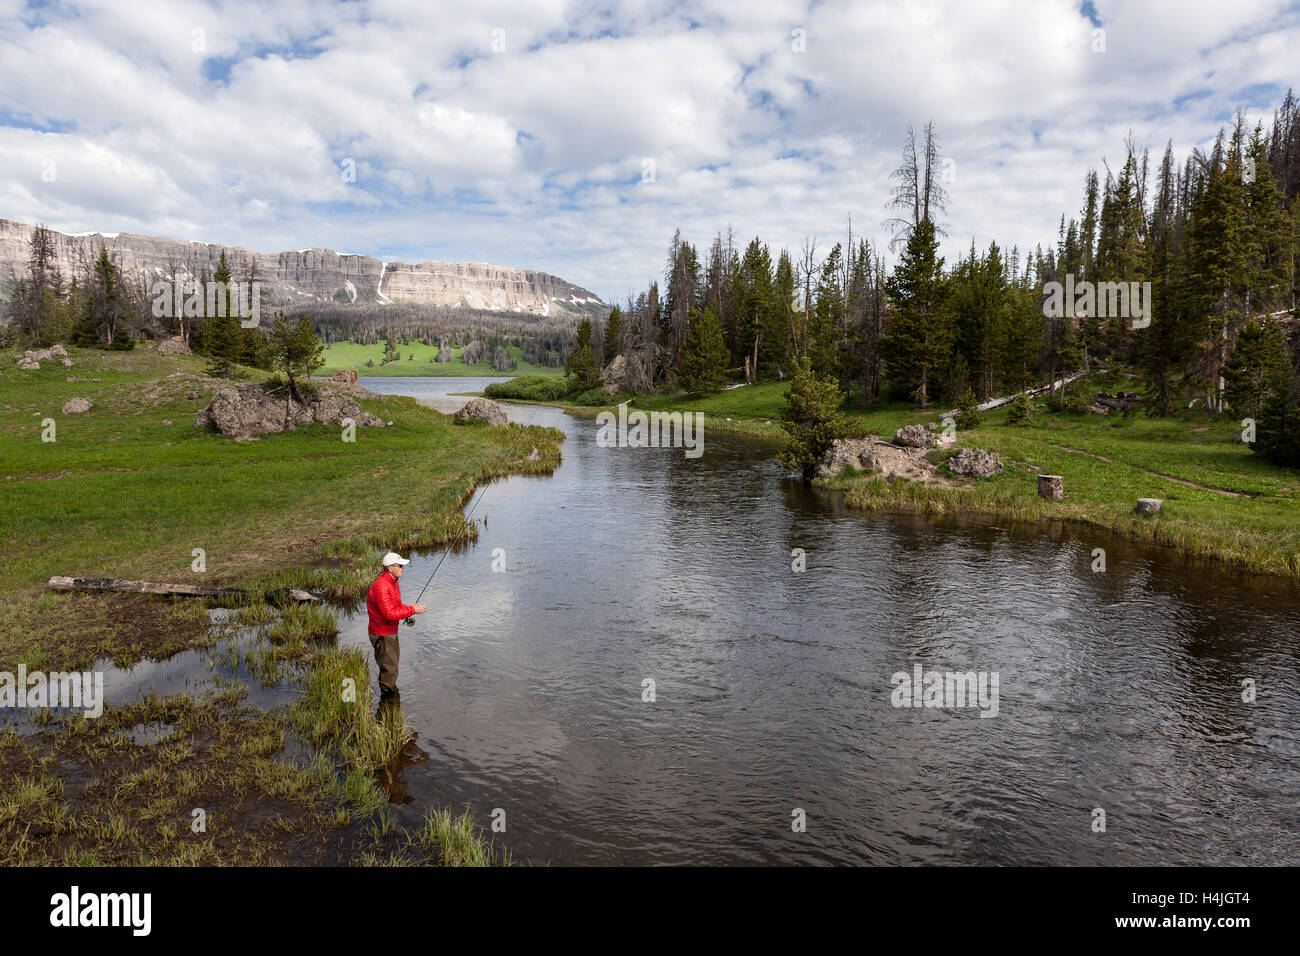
1118	691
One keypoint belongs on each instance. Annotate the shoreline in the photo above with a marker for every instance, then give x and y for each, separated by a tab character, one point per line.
1212	535
298	779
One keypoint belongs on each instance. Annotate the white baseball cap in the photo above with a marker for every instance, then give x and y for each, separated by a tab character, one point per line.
392	557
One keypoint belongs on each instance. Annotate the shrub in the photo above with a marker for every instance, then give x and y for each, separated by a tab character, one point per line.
1022	411
1277	435
593	397
968	411
533	388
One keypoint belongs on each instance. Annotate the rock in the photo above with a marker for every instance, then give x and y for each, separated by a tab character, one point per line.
75	406
66	362
614	377
309	276
872	454
28	365
846	453
482	409
1098	409
914	436
975	463
1149	506
242	412
43	355
173	346
1051	487
348	376
534	454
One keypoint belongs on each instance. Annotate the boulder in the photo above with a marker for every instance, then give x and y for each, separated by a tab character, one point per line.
28	365
975	463
66	362
245	411
75	406
347	376
43	355
614	377
481	409
173	346
872	454
915	436
846	453
1149	506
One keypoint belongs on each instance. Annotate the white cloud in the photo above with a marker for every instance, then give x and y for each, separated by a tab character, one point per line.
532	154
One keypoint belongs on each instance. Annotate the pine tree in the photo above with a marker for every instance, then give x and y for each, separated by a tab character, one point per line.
581	367
704	357
223	339
918	338
1260	367
1277	433
811	418
297	352
613	335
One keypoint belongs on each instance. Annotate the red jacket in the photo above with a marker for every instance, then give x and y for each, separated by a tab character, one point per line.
384	605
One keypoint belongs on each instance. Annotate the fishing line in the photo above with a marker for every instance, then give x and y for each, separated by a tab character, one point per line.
410	621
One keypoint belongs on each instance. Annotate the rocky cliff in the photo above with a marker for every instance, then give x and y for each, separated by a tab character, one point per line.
311	274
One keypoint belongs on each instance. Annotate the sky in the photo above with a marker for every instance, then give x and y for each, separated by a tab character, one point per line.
574	138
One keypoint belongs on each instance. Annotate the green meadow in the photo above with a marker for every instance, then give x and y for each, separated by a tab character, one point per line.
132	489
418	359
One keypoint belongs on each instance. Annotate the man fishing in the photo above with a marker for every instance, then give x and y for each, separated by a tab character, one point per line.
386	610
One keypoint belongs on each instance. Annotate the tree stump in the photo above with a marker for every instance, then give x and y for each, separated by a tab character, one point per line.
1149	506
1051	487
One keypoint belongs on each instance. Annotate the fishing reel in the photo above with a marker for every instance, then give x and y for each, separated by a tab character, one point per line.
410	621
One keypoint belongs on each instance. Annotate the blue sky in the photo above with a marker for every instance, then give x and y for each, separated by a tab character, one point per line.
575	137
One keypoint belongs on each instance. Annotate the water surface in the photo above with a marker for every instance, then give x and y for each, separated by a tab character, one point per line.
1118	690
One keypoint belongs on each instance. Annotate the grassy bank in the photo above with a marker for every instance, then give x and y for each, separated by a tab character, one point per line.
1221	501
340	355
132	489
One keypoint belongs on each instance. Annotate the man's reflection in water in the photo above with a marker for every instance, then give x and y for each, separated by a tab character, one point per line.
393	777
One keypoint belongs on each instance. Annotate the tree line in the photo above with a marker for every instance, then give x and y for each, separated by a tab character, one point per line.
1216	235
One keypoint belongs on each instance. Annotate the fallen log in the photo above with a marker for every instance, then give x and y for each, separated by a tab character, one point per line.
58	583
993	403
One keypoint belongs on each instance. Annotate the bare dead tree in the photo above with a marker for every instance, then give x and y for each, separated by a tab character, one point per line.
918	194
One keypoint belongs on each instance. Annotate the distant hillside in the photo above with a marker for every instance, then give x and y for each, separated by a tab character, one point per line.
304	276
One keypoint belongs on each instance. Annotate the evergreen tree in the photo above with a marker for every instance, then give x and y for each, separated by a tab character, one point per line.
297	352
811	418
705	357
613	335
1277	432
1260	367
918	337
582	369
223	338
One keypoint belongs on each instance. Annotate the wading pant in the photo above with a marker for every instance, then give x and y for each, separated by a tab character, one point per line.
387	652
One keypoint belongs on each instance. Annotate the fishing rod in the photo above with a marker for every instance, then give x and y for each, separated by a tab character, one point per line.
410	621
